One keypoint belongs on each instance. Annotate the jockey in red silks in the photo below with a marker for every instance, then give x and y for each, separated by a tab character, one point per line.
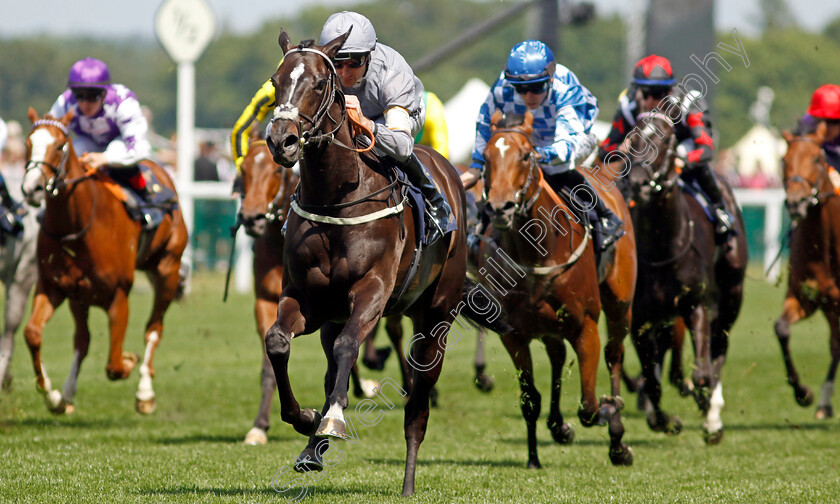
825	107
652	89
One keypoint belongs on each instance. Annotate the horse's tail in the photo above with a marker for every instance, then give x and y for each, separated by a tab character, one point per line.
482	308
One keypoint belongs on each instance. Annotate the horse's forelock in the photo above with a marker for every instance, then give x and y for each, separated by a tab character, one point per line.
510	120
306	43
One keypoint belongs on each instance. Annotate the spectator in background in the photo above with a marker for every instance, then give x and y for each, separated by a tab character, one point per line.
205	163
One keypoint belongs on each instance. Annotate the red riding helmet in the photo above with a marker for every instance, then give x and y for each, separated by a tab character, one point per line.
653	70
825	102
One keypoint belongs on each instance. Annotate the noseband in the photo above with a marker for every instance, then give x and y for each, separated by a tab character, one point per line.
55	183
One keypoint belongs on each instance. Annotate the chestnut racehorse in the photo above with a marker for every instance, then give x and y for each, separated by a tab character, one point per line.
686	274
349	249
814	208
88	249
540	258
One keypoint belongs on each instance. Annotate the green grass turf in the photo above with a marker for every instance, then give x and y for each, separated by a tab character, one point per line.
475	450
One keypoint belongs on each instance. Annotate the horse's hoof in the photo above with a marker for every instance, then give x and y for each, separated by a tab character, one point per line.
589	418
623	456
255	437
309	460
332	427
55	402
484	382
308	422
562	433
713	438
686	388
382	355
145	407
534	464
804	396
663	422
824	412
69	409
369	387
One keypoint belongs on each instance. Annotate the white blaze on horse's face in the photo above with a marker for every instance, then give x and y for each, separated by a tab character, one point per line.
287	111
41	140
502	146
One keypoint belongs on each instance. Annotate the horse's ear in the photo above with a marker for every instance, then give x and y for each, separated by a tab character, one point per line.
284	41
33	116
820	132
528	122
497	116
332	47
788	136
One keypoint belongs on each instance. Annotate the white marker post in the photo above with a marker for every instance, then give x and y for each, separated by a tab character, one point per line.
185	28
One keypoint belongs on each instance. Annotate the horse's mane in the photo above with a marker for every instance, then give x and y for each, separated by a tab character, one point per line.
509	120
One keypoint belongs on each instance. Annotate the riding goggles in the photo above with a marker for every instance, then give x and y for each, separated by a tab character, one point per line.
352	60
655	92
87	95
531	87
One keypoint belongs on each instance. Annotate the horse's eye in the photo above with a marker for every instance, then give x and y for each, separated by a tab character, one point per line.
321	85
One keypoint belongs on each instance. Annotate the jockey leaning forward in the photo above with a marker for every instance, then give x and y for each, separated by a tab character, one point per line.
652	89
109	127
825	107
563	110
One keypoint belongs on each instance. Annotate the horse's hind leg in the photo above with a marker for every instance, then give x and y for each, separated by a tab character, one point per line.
43	307
824	407
425	355
483	381
792	312
265	311
561	431
17	292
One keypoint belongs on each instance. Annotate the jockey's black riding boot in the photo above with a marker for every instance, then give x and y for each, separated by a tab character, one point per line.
611	225
438	208
707	181
474	238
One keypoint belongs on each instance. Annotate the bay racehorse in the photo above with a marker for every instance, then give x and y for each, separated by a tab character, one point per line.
266	195
18	272
88	249
539	257
349	251
686	274
811	199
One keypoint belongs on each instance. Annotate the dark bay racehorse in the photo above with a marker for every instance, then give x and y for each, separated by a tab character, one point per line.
814	256
539	258
685	274
346	260
18	271
267	192
88	249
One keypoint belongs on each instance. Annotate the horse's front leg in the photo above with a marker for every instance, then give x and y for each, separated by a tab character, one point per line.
43	308
290	321
120	364
366	305
81	341
793	312
703	377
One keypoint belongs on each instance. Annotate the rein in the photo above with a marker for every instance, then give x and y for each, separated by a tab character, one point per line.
57	182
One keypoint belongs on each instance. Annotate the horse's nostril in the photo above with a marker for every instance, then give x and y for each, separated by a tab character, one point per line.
290	141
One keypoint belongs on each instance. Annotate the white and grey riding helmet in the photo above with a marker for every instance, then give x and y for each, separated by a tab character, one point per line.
362	38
